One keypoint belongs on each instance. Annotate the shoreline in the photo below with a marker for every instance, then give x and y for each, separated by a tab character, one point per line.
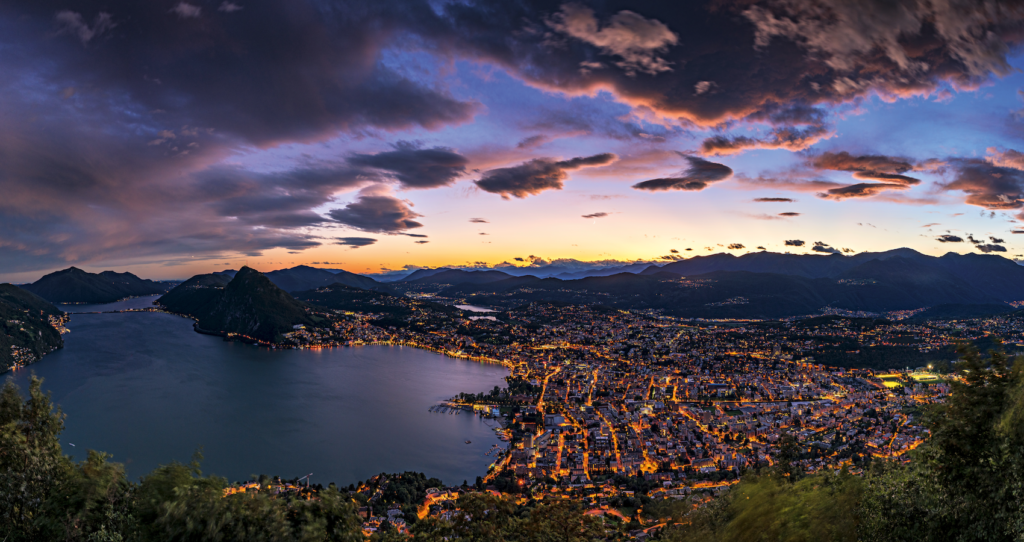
272	346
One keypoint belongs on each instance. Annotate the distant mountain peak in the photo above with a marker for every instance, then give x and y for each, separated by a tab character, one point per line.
250	305
73	285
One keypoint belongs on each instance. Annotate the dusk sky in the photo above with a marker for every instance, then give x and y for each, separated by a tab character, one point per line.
172	138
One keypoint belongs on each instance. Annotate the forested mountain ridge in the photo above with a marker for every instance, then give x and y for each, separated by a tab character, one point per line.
303	277
991	274
72	285
893	285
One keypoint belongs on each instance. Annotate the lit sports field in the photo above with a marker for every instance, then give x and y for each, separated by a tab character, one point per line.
891	381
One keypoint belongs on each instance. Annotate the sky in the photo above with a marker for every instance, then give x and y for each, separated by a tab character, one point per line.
171	138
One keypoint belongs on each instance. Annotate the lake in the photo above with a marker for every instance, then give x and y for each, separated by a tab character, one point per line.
147	389
142	302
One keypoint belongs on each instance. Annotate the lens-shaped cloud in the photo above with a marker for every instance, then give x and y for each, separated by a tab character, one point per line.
537	175
698	176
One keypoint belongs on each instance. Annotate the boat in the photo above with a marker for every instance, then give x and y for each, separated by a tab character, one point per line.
468	442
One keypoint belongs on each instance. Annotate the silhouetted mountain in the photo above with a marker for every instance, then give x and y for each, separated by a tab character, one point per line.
456	276
248	305
876	286
993	275
603	271
72	285
422	273
192	296
24	323
303	277
899	283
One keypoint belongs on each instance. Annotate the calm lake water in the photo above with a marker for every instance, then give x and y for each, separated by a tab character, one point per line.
131	303
147	389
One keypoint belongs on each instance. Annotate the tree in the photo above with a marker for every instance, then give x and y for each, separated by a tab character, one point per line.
562	521
32	465
96	503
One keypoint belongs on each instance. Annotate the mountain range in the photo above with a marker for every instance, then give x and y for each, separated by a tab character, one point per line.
72	285
993	275
755	285
304	277
768	285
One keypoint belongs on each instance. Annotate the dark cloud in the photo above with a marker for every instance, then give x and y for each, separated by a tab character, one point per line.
322	74
867	167
736	246
947	238
277	199
859	190
987	248
355	242
785	137
698	176
789	214
415	167
376	211
794	243
596	215
421	242
774	200
761	248
1017	231
996	240
478	221
674	251
825	248
986	185
753	60
536	176
889	171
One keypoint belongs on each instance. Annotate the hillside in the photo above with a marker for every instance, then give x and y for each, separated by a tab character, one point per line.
193	295
877	286
303	277
72	285
993	275
455	276
248	305
25	326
